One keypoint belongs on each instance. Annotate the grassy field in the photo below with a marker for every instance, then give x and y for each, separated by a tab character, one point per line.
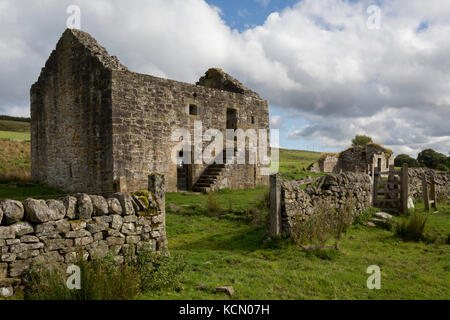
9	135
14	160
224	251
293	162
14	126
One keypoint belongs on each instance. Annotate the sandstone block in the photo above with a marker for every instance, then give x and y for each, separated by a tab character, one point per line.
22	228
71	206
99	204
114	206
36	210
13	211
84	205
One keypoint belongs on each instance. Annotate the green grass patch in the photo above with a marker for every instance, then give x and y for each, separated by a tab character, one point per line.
293	162
19	136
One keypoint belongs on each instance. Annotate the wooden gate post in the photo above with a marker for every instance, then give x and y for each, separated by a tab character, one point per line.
404	188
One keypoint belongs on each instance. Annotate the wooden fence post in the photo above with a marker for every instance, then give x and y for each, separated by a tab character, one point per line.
404	188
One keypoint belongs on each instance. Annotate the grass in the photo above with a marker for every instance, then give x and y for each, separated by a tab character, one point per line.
19	136
292	163
233	252
14	126
15	161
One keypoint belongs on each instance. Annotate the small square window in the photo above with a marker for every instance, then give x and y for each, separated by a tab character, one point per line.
193	110
252	119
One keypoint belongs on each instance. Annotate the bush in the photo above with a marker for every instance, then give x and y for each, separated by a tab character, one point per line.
160	271
101	279
361	140
412	228
324	223
105	279
211	203
431	158
441	167
364	216
404	158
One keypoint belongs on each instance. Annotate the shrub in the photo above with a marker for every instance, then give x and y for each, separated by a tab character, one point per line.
105	279
361	140
211	203
364	216
441	167
160	271
412	228
404	158
101	279
324	223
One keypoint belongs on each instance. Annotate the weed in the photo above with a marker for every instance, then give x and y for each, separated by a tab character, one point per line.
211	203
412	228
159	271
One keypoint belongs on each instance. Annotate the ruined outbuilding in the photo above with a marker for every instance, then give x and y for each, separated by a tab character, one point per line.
97	127
357	159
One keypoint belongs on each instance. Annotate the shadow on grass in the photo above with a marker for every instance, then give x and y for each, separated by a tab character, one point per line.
244	239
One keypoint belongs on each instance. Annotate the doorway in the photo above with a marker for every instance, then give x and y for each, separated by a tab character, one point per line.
182	173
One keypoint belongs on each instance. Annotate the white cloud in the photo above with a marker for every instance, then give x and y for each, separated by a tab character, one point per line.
276	122
316	60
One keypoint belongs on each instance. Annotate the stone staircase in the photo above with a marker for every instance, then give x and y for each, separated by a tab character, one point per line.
210	176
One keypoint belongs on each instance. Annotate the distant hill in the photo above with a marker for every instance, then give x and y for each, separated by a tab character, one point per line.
14	126
11	118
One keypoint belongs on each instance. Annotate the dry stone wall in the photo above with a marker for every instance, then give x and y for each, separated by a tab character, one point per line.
291	199
54	231
442	182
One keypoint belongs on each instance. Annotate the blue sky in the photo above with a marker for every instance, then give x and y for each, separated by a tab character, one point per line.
246	14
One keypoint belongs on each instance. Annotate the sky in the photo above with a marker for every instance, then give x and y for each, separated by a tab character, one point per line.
330	69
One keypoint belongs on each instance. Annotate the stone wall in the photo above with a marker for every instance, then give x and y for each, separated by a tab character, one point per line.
54	231
291	199
442	182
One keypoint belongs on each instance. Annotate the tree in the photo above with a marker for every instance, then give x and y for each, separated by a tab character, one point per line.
404	158
361	140
430	158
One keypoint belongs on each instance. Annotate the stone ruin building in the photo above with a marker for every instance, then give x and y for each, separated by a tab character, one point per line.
98	127
356	159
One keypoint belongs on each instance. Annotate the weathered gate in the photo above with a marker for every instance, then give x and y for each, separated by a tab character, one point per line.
390	189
